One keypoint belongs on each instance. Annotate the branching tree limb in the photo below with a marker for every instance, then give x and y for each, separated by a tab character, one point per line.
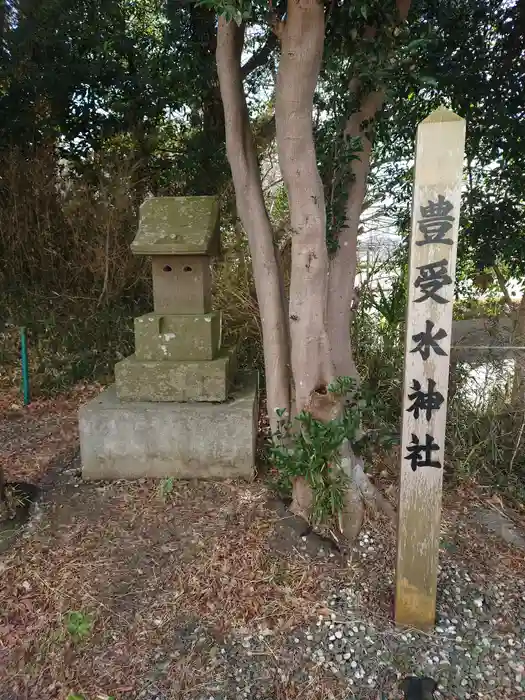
344	263
260	57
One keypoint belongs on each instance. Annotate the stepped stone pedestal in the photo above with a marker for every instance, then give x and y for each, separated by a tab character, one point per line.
177	408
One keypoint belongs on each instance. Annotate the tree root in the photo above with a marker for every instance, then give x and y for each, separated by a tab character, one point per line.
371	494
360	482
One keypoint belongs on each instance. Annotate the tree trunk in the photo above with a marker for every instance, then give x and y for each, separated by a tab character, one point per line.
518	384
343	267
321	291
344	263
2	487
302	40
252	212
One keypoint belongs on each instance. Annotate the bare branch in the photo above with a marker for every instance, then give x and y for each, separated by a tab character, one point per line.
260	57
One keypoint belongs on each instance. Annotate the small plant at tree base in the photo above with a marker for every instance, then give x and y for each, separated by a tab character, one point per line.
79	624
311	449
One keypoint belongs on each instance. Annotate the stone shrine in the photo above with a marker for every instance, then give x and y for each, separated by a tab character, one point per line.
178	354
177	407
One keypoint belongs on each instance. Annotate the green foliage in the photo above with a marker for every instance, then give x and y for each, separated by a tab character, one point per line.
239	11
311	449
341	153
482	424
483	430
378	353
135	79
232	10
468	61
68	344
79	624
166	486
390	306
370	62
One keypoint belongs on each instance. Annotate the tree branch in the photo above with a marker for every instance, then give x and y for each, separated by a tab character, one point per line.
503	286
260	57
344	263
403	8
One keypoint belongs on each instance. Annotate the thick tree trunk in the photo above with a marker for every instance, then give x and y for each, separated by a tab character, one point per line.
252	212
302	40
343	267
317	309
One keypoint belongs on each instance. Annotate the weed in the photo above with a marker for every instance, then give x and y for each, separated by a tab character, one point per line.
166	486
79	624
76	284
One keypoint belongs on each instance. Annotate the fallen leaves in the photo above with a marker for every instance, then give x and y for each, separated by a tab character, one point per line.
32	438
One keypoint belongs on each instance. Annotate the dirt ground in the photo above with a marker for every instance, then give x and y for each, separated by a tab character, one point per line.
162	582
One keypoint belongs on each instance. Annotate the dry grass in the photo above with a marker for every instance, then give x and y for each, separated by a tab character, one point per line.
70	277
66	237
166	579
151	570
145	569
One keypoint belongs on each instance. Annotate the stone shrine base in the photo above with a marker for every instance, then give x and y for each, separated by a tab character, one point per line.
130	440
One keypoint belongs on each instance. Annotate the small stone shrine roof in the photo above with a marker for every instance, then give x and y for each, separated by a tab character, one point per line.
178	226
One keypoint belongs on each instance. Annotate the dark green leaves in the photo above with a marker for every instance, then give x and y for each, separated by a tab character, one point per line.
232	10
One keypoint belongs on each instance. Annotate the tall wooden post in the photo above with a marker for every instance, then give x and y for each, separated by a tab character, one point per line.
433	243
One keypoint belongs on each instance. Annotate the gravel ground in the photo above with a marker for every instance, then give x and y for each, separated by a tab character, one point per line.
477	649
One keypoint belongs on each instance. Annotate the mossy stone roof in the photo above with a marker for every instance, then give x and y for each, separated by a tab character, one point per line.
178	226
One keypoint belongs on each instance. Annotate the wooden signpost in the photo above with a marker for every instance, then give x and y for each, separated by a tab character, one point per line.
435	217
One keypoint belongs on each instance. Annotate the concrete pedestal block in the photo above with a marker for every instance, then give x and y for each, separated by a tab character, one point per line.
129	440
162	380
